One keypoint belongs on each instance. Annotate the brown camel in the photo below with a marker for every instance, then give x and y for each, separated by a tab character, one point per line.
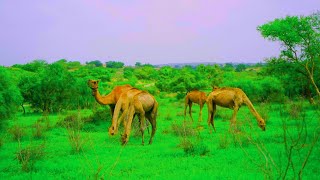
112	98
122	105
194	96
231	98
145	105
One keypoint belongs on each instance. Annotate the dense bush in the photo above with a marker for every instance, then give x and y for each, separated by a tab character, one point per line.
10	96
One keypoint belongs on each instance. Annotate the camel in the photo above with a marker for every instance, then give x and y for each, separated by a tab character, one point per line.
122	105
112	98
231	98
145	105
194	96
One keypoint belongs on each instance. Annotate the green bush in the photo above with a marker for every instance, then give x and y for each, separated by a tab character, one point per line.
28	156
17	132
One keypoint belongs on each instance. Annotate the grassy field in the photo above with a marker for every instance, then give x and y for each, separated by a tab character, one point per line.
35	146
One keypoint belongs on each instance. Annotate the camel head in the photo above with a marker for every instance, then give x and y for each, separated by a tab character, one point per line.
262	124
93	84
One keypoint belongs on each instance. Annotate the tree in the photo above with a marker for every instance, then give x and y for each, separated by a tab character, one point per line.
114	64
96	63
240	67
33	66
300	40
10	97
54	90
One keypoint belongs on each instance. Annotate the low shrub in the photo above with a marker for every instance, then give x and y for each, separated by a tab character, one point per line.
28	156
17	132
194	148
76	140
223	141
183	129
38	130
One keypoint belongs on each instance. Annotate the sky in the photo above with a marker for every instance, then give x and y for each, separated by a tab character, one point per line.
146	31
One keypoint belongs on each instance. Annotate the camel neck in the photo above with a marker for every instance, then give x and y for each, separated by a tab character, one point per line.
104	100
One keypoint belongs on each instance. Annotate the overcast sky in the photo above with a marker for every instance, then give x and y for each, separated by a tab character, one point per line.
148	31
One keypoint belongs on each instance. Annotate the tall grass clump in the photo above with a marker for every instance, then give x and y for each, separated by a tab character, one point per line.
28	156
17	132
74	124
183	129
38	130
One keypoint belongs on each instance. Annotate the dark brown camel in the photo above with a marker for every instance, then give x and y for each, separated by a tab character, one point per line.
194	96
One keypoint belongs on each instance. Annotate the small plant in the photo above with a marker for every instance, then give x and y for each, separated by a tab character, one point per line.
28	156
223	141
295	110
73	121
38	131
194	148
184	129
74	124
76	140
17	132
101	114
168	117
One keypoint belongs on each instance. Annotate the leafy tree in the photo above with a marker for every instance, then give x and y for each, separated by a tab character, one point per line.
300	40
138	64
145	73
10	97
27	85
228	67
295	83
34	66
211	74
96	63
114	64
54	90
240	67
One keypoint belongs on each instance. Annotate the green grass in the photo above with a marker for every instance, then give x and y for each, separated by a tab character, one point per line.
201	155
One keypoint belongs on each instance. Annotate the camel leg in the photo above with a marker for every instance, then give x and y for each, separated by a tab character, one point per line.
125	136
233	118
153	121
139	109
212	111
200	112
115	116
112	110
185	108
190	110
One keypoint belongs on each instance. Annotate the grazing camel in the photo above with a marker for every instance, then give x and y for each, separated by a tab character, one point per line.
194	96
231	98
122	105
112	98
145	105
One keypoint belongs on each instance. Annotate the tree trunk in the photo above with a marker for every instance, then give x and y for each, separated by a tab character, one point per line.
315	85
312	80
24	110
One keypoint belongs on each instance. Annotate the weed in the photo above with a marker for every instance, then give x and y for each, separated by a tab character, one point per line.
223	141
73	121
295	110
38	131
76	140
184	129
194	148
29	155
17	132
168	117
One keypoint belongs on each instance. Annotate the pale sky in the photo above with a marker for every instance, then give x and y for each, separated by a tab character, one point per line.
148	31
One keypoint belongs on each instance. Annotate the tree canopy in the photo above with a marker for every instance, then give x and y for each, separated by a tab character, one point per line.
300	42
